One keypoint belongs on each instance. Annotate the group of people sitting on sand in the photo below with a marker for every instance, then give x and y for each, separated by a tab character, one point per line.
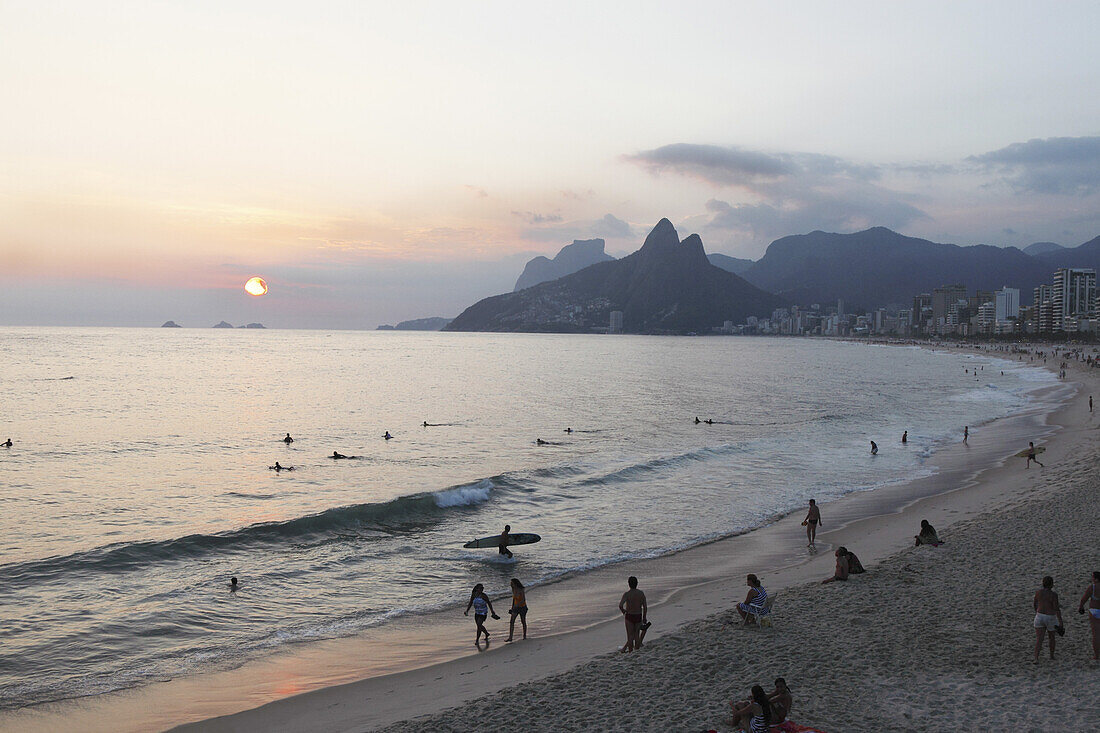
763	710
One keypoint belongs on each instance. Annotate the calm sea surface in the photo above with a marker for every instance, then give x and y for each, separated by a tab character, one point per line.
139	483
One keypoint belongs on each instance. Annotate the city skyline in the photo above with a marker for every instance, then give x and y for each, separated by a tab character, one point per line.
378	164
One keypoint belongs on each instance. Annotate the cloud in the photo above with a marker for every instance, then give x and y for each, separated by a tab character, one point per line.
749	169
476	190
532	217
612	227
1056	165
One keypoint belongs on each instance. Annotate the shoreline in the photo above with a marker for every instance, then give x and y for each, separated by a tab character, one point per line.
680	594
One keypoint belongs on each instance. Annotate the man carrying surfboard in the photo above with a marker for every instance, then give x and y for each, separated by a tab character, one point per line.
1031	455
502	548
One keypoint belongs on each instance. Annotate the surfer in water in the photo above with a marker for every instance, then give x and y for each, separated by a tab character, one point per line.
502	545
697	420
708	421
387	436
1031	453
569	430
966	433
482	608
8	444
233	585
874	448
905	437
337	456
278	467
288	440
540	441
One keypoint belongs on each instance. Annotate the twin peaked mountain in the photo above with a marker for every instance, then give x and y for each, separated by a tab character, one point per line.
667	286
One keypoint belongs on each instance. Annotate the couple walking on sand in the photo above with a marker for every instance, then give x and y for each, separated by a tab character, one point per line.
1048	615
483	607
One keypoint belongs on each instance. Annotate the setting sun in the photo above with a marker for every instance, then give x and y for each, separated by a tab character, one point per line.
255	286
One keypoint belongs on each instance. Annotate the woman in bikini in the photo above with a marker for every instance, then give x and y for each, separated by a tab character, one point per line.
519	608
482	608
1092	597
841	572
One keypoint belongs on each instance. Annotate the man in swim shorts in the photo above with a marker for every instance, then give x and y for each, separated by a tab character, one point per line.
502	545
811	523
1048	616
633	608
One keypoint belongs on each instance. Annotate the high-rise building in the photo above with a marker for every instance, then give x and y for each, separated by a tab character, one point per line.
1073	297
1008	304
1044	308
942	299
987	317
616	323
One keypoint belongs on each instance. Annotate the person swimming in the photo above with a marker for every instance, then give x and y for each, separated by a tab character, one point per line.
288	440
905	437
233	584
387	436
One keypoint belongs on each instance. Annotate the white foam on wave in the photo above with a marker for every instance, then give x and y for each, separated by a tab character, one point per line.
465	495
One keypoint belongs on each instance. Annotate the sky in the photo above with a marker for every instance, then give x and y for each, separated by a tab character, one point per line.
377	162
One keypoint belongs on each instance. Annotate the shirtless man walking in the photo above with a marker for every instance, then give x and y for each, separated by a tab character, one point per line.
811	523
1048	616
633	608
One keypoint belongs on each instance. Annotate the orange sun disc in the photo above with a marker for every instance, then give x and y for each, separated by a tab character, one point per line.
255	286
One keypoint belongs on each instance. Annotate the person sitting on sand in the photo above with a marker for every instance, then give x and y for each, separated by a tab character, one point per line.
855	567
841	572
288	440
753	715
1031	453
482	608
754	601
811	523
518	609
928	535
633	608
781	701
1048	616
1092	597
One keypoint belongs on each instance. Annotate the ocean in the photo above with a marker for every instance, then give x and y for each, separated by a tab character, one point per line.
139	478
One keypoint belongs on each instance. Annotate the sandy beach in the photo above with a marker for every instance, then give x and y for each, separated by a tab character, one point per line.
928	639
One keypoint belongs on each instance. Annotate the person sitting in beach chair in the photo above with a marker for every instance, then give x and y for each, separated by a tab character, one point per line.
757	604
928	535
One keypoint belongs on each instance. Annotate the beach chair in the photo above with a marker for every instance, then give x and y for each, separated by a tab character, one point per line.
763	617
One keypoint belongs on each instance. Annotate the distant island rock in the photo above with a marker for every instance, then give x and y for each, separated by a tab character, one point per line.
571	258
171	324
667	286
250	325
223	324
435	323
736	265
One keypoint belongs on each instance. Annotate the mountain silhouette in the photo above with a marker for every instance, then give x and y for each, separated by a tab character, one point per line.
570	259
879	267
736	265
667	286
